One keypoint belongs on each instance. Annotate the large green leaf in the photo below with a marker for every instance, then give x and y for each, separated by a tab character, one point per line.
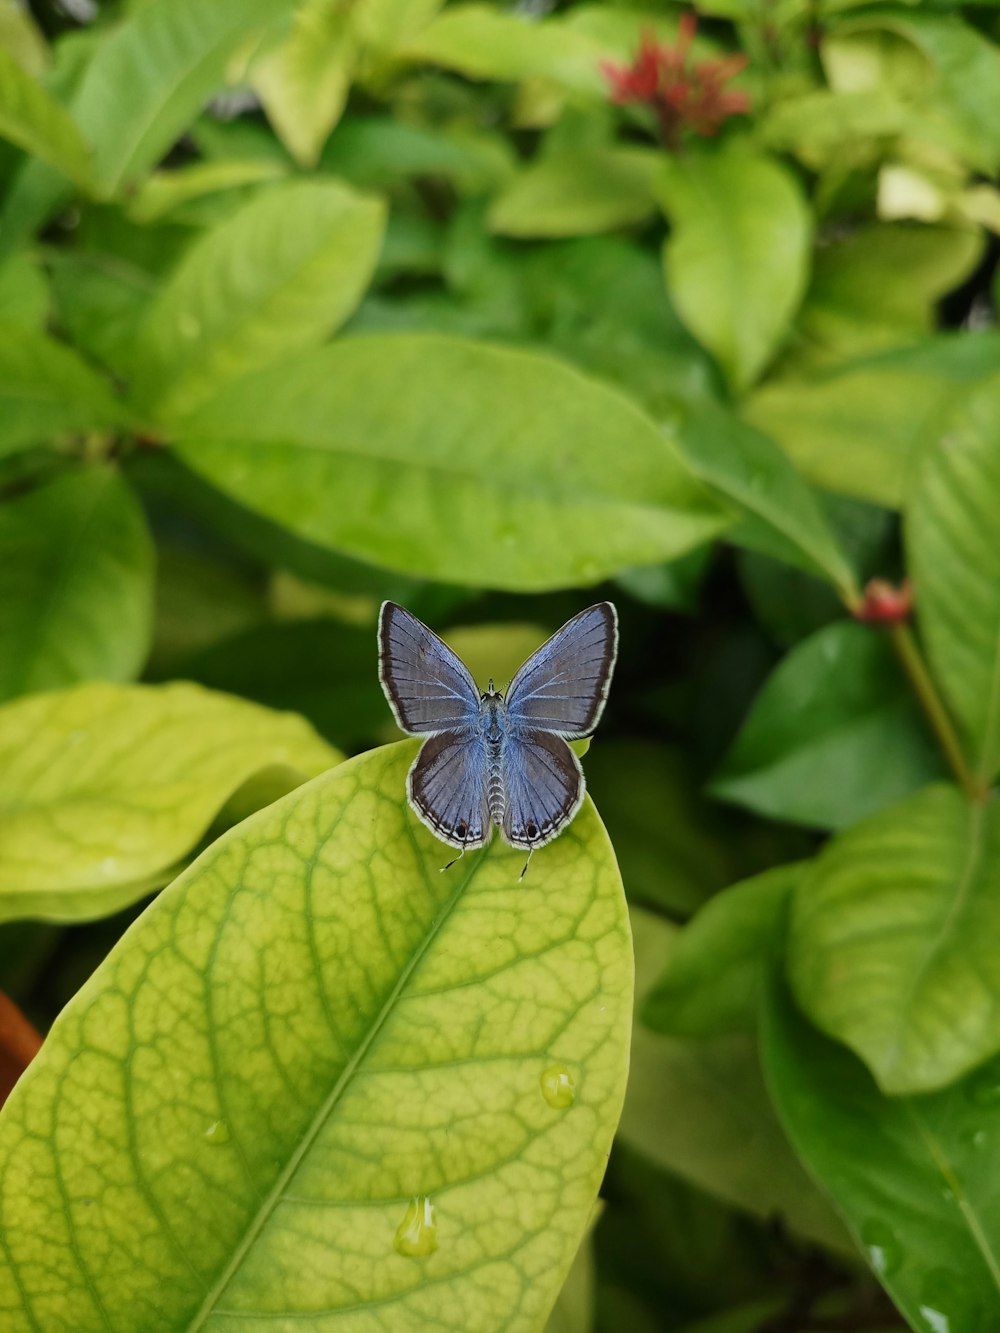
699	1109
895	931
833	735
164	191
855	429
914	1177
715	970
46	392
277	276
577	193
31	118
781	515
737	258
485	43
955	559
103	786
318	1081
453	460
76	583
24	293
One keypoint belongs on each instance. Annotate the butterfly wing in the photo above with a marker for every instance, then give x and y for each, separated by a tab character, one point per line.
543	787
562	687
429	688
447	787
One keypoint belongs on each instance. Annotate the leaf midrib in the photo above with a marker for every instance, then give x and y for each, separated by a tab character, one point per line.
278	1190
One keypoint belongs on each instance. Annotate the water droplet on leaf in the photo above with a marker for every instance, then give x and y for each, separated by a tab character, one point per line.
880	1241
558	1087
416	1235
217	1132
945	1305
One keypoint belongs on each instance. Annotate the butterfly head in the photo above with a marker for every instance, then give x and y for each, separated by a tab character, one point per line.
491	694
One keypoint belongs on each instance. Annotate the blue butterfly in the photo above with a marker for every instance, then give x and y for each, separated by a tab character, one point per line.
489	758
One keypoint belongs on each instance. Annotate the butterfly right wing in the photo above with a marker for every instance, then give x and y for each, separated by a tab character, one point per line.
447	788
563	685
428	687
543	787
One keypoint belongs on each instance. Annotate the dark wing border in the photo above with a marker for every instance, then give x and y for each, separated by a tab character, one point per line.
607	669
389	689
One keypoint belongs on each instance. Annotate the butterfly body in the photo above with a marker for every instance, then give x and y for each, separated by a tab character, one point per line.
489	758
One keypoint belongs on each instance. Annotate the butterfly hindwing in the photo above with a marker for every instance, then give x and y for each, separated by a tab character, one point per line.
562	687
429	687
543	787
447	787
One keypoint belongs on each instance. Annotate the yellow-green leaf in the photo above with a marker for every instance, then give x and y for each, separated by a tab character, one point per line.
102	786
577	193
31	118
164	191
451	459
318	1082
278	275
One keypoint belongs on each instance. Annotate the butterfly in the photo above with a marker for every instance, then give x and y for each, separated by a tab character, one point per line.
491	758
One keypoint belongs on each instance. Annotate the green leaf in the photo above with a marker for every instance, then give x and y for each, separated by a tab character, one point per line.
277	276
894	933
100	299
914	1177
837	706
669	842
699	1109
105	785
485	43
855	429
577	193
31	118
76	583
46	391
781	515
719	961
310	1044
21	36
379	151
737	258
165	191
24	293
951	532
453	460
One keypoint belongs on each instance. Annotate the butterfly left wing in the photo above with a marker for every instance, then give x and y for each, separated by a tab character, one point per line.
543	787
447	788
428	687
562	687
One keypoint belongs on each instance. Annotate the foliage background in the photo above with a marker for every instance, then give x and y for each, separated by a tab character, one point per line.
305	306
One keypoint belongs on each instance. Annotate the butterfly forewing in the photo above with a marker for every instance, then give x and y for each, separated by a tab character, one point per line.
447	788
543	787
562	687
429	688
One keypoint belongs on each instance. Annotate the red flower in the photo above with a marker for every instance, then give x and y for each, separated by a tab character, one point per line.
683	96
884	604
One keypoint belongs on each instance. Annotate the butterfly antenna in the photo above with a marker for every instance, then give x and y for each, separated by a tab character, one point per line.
524	869
453	860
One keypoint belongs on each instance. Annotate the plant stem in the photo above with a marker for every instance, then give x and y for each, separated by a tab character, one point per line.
935	711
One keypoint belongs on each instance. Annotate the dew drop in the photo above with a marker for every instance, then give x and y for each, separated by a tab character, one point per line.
217	1133
416	1236
588	569
882	1247
558	1087
945	1305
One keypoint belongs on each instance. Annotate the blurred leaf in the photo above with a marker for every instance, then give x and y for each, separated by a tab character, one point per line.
76	583
672	586
577	193
31	118
452	460
100	299
21	36
485	43
720	960
573	1311
854	429
880	284
104	785
699	1108
894	931
164	191
668	840
46	391
819	125
277	276
955	559
302	979
743	1319
913	1176
834	734
380	151
738	254
200	601
781	516
24	293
